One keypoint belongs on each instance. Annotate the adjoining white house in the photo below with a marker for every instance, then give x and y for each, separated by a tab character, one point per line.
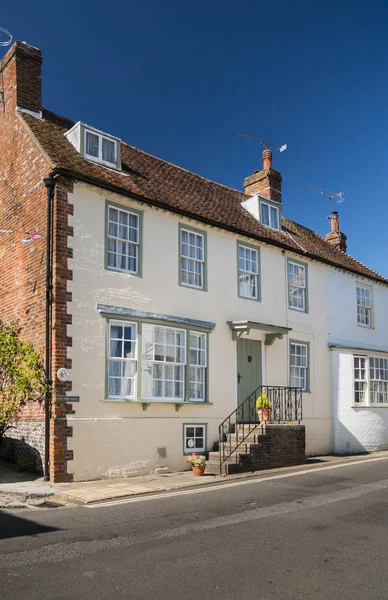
174	298
358	340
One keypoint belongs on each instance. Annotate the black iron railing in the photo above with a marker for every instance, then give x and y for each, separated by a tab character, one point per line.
285	406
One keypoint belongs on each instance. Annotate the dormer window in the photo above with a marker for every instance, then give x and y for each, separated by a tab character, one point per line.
95	145
269	215
99	147
266	211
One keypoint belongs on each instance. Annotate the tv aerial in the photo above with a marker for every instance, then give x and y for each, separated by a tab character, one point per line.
264	143
5	37
339	196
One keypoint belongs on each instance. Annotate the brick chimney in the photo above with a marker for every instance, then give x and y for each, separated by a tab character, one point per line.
336	237
266	183
20	78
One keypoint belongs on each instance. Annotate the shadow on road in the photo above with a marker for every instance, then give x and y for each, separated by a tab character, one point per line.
12	525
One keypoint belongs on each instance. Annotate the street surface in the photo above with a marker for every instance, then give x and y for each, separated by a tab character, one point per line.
321	535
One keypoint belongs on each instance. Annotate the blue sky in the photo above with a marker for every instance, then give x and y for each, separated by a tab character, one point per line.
180	80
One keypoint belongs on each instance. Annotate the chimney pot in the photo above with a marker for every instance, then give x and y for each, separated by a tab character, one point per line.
334	222
267	159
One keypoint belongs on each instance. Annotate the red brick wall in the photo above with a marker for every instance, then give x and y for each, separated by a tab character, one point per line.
23	204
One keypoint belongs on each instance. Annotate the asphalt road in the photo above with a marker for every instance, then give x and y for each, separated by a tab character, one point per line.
321	535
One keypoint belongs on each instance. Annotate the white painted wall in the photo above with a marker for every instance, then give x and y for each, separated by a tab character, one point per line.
115	438
355	428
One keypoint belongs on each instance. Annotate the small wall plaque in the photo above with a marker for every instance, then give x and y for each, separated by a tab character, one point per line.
67	399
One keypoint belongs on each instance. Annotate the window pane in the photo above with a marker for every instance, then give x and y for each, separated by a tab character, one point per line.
364	303
123	240
114	386
192	259
264	209
108	151
122	366
274	217
194	438
298	365
163	354
91	140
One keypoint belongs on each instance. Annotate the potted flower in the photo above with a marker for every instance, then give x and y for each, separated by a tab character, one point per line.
263	408
198	464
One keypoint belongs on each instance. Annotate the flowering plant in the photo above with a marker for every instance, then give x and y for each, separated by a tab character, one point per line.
196	460
262	403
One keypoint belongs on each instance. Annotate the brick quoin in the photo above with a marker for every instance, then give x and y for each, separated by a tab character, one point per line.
23	209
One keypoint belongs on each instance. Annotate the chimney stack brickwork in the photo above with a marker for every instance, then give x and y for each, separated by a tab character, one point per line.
21	70
267	182
336	238
23	208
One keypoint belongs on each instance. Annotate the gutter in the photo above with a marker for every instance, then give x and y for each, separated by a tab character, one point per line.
49	183
117	190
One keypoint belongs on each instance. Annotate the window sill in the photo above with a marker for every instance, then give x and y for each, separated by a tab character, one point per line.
299	310
192	287
102	163
248	298
369	406
122	271
365	326
150	401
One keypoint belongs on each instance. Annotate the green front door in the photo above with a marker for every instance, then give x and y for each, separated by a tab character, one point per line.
248	376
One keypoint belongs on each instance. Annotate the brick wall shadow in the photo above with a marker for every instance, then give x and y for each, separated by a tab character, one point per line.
15	526
20	459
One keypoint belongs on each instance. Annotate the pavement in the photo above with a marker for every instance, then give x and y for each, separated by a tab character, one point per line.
23	489
317	533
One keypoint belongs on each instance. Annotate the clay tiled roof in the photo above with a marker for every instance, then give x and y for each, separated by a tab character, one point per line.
163	184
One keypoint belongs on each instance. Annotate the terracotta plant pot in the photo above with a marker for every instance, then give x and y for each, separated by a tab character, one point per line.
264	415
199	471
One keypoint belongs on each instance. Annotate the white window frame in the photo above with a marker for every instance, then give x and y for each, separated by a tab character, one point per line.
305	368
368	309
122	359
199	364
195	260
270	223
303	287
380	378
100	137
156	363
122	240
247	273
156	353
195	426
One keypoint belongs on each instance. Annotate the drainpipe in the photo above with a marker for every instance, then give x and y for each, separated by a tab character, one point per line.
49	183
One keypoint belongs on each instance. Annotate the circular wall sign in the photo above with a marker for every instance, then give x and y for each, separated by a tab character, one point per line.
63	374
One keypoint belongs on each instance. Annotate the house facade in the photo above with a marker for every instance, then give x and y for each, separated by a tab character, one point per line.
172	298
358	334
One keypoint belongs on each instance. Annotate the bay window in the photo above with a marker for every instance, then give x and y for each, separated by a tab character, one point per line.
370	380
170	364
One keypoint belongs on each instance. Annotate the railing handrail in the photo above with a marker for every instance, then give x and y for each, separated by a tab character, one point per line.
286	405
